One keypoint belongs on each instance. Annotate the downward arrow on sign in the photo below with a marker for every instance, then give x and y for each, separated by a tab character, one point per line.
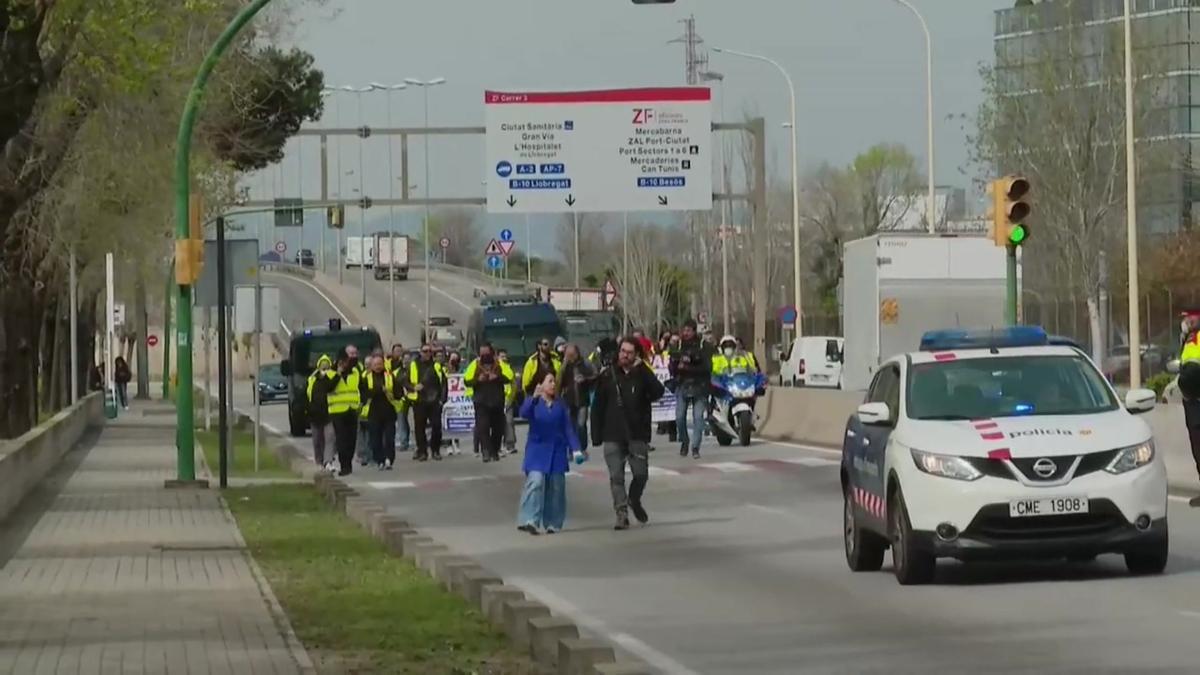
512	201
570	200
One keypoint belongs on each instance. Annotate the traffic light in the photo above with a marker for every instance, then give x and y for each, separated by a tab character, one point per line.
1010	209
189	253
336	216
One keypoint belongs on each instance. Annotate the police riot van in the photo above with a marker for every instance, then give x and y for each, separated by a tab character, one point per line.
305	348
1000	445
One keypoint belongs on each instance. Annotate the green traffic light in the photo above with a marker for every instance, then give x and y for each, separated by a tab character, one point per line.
1017	235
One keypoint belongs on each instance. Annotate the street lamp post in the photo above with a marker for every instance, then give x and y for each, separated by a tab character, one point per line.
795	182
1135	327
930	209
389	88
362	211
425	86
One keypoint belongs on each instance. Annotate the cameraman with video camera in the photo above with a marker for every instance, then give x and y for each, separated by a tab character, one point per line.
691	369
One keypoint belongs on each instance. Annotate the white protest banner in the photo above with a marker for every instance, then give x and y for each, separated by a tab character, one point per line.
458	415
663	409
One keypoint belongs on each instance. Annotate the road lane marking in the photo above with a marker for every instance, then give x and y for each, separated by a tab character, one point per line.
801	446
321	293
782	513
451	298
626	641
286	331
810	461
728	467
391	485
1189	614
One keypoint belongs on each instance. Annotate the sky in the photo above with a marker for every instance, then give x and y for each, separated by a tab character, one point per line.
858	67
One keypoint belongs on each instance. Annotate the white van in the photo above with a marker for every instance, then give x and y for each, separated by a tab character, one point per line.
359	252
812	362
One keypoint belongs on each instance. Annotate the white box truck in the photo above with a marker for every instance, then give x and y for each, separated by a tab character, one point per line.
564	299
900	285
359	252
391	256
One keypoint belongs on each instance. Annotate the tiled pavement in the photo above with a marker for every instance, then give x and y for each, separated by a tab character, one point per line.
120	575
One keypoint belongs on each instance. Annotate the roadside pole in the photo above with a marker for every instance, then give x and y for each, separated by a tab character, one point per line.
222	364
625	274
73	294
110	387
575	221
185	422
528	253
208	368
167	339
1010	299
257	361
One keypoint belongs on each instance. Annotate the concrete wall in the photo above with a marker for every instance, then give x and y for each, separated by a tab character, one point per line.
818	417
25	461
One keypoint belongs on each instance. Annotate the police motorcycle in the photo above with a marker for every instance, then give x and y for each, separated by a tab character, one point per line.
731	414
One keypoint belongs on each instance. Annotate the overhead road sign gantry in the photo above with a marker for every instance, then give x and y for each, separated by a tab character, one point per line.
601	150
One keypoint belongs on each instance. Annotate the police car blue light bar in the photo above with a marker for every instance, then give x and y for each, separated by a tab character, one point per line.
959	338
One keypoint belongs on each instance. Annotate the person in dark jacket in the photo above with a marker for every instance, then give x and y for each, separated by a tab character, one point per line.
320	383
427	393
377	388
578	377
487	380
691	369
122	376
621	425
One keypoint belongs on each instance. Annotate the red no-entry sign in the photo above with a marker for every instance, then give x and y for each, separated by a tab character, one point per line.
152	341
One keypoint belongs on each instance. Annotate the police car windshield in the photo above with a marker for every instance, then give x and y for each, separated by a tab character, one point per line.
1006	387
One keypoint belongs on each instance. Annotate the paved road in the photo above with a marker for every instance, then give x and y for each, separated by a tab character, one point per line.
450	296
741	571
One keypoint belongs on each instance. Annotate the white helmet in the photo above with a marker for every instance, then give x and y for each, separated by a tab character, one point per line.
728	339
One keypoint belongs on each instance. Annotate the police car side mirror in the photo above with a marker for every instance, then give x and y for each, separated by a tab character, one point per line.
1173	366
1140	400
875	414
285	368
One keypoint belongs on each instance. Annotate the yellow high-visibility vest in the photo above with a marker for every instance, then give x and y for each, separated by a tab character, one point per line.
505	370
412	377
388	383
531	366
740	361
345	396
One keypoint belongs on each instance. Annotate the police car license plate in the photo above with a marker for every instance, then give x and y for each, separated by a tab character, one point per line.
1047	506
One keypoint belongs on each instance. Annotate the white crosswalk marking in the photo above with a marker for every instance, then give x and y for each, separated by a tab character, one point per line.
392	485
468	479
730	467
811	461
659	471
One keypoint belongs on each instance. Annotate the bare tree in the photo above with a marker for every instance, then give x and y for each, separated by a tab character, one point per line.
594	245
1057	116
460	227
884	177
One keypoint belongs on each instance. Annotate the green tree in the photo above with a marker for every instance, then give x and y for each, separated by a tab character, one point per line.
885	178
278	92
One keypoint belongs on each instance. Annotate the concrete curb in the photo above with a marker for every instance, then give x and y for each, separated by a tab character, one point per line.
555	643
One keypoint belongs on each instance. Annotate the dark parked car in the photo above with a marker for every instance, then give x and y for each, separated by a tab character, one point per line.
306	258
272	385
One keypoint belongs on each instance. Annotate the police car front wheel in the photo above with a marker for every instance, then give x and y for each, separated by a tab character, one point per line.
910	564
1151	559
864	550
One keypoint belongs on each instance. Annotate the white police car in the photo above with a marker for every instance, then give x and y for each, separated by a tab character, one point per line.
1000	444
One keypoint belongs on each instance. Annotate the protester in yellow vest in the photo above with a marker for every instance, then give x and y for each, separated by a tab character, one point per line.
1189	385
427	394
320	384
510	409
378	393
487	379
344	404
543	362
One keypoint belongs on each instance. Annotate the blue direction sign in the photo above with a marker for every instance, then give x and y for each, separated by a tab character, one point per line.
494	262
506	235
504	169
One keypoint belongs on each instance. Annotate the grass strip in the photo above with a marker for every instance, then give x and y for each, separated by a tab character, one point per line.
355	607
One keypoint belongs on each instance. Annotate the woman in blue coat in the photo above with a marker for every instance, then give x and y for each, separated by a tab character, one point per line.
551	440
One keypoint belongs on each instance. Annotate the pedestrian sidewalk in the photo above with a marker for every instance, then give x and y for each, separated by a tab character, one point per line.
105	570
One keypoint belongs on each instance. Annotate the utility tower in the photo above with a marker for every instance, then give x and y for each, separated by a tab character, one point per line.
696	59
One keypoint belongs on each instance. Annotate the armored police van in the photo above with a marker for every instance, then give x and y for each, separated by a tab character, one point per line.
305	348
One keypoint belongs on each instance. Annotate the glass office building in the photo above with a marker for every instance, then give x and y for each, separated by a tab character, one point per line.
1167	55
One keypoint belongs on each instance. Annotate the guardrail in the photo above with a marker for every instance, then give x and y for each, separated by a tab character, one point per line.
27	460
289	268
